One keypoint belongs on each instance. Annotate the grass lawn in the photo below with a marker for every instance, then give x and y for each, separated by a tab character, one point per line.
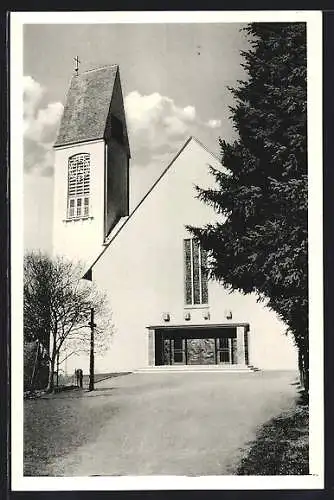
281	446
55	424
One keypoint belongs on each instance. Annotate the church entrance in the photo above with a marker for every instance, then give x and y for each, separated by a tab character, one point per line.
201	345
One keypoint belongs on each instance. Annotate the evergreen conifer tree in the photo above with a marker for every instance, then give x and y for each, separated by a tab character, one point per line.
260	243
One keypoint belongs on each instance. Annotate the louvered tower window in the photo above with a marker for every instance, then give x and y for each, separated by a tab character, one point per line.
78	187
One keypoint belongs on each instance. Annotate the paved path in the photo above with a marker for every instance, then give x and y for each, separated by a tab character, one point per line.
175	423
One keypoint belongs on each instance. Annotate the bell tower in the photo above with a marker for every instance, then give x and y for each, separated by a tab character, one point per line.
92	153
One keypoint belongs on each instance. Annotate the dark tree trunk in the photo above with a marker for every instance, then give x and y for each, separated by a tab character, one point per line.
35	369
306	371
300	367
303	365
50	385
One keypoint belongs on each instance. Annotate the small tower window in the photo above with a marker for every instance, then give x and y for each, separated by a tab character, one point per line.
78	186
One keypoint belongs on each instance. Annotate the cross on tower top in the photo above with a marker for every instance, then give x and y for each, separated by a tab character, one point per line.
77	62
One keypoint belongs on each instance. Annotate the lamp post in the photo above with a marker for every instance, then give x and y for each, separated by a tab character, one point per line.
91	358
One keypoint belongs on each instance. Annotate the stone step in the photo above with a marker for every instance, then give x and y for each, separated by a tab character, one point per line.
196	368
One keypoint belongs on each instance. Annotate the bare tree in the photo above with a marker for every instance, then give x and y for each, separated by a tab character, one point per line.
57	305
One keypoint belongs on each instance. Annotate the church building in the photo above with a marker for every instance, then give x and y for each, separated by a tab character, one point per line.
167	314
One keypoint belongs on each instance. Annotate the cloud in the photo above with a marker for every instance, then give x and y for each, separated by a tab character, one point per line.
32	94
44	125
153	119
214	123
40	127
158	126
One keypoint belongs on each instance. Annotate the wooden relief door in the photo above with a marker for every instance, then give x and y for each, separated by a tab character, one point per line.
224	350
179	346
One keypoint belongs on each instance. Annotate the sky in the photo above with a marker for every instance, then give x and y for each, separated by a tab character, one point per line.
175	80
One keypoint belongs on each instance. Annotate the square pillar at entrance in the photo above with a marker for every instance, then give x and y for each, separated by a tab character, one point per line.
151	348
241	358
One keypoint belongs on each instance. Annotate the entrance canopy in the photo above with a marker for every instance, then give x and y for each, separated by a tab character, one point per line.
198	344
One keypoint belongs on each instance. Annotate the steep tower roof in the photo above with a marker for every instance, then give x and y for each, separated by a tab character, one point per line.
87	106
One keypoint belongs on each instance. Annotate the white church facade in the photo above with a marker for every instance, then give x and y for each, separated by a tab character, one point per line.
165	309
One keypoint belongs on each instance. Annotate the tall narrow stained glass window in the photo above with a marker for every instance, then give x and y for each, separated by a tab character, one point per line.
78	186
188	271
195	273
